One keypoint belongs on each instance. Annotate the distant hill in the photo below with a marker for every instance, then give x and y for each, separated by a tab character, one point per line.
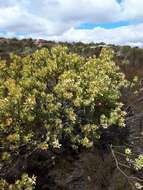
133	54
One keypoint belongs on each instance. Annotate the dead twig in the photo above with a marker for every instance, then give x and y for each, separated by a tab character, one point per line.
129	178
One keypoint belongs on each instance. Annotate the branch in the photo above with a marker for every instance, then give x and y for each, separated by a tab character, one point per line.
121	171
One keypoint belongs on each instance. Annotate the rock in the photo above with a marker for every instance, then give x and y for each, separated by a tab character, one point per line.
135	125
91	170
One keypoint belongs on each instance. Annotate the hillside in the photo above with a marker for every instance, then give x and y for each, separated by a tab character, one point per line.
63	123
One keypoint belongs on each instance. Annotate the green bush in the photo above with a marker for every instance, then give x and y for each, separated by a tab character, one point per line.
49	99
25	183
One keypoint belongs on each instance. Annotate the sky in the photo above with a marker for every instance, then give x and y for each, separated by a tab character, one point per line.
117	22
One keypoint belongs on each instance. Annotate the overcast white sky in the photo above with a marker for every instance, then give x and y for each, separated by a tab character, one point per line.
110	21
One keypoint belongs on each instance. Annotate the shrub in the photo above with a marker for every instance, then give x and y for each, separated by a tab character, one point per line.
25	183
49	99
